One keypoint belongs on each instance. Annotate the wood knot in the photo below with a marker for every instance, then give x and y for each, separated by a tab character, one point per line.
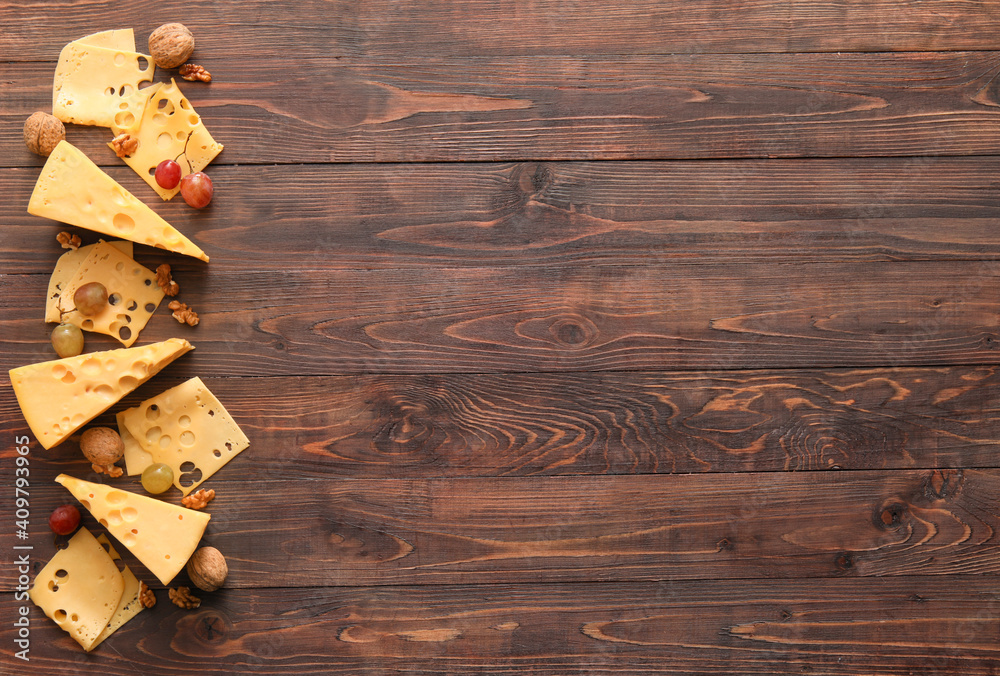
573	331
889	515
844	561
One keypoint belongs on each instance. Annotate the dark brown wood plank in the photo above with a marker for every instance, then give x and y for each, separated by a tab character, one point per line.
37	29
300	533
570	108
560	214
838	627
599	318
435	426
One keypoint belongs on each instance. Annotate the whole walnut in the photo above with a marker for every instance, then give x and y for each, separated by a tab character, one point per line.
43	132
103	448
170	45
207	569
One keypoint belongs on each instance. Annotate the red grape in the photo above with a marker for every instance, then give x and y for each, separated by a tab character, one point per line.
168	174
196	189
91	298
64	520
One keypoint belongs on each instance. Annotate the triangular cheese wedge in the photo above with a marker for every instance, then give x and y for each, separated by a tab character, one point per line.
60	396
80	589
168	128
129	606
74	190
66	267
186	426
161	535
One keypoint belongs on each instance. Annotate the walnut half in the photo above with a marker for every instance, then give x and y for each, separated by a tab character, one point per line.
198	499
165	281
68	241
192	72
146	596
124	145
183	314
182	598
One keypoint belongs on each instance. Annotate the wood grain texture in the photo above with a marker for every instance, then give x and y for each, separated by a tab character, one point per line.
917	625
476	27
598	318
542	530
437	426
569	108
559	214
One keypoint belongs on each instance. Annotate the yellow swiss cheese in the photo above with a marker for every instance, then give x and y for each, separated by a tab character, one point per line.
60	396
129	606
80	589
136	459
133	294
66	267
120	38
74	190
188	429
91	82
161	535
168	129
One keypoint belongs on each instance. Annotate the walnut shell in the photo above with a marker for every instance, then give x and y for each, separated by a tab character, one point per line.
170	45
43	132
102	446
207	569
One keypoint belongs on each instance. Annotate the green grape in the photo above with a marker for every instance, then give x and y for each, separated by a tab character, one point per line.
157	478
91	298
67	340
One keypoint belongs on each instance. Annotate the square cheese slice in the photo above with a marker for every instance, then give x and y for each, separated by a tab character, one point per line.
136	457
66	267
120	38
168	129
129	606
133	294
74	190
189	429
161	535
60	396
80	588
90	82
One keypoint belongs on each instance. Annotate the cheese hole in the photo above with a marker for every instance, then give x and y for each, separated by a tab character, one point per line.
103	522
126	90
211	413
123	223
115	518
131	306
114	298
140	369
165	441
181	136
119	61
53	587
123	105
62	574
194	119
115	497
105	391
110	91
120	266
190	475
185	104
77	419
86	504
59	370
164	140
171	235
91	367
59	615
153	435
160	118
130	514
187	438
184	421
87	325
125	333
124	118
128	383
129	539
152	171
149	307
74	618
166	556
152	413
65	423
217	453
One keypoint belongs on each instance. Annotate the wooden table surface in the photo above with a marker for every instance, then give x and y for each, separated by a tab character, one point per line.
571	337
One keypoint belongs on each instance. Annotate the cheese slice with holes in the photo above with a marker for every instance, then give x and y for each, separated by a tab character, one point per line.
189	429
133	294
136	458
168	129
161	535
60	396
80	589
74	190
91	82
121	38
65	268
129	606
